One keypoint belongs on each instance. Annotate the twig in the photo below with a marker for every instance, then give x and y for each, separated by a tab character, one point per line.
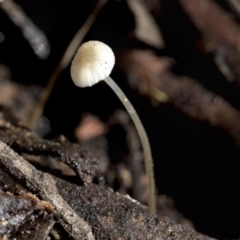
44	185
36	37
71	49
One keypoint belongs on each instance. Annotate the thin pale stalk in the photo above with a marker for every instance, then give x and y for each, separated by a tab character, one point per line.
67	57
144	140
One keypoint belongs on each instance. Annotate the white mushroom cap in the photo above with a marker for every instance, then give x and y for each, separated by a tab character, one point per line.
93	62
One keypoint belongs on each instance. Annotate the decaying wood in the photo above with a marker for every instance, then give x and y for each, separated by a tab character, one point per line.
73	155
114	216
16	210
25	215
39	229
44	185
110	215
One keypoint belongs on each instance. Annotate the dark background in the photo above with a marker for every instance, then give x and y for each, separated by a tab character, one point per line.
195	164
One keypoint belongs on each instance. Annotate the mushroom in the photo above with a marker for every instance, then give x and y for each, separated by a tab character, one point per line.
93	62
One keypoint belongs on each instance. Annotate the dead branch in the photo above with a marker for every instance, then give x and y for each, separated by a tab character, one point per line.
184	93
36	37
44	185
24	140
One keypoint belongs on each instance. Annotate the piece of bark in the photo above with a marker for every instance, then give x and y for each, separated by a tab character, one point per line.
114	216
16	210
184	93
39	229
44	185
220	33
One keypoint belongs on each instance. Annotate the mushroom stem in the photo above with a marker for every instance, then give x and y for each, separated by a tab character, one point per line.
144	140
